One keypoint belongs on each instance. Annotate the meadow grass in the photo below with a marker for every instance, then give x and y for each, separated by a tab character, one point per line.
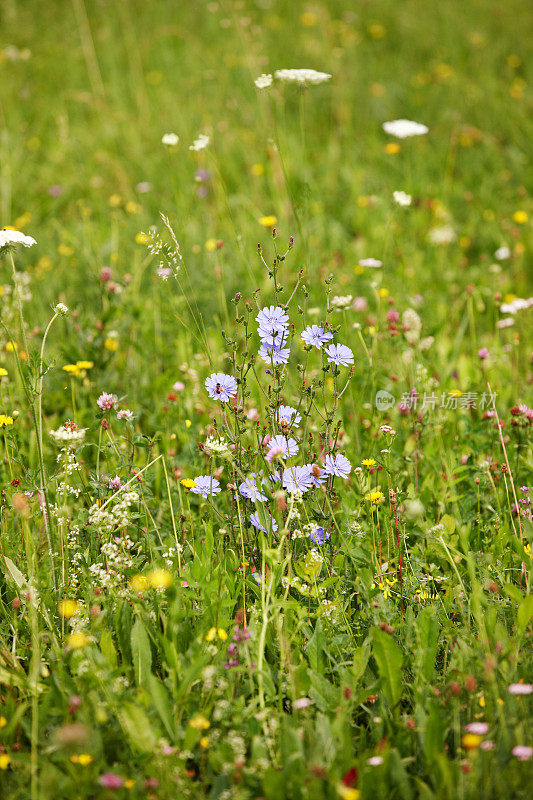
176	620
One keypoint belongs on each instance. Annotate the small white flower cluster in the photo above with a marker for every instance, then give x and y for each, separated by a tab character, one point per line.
169	554
200	143
341	302
9	238
303	77
412	325
441	234
217	447
60	309
264	81
170	139
71	438
404	128
402	198
118	516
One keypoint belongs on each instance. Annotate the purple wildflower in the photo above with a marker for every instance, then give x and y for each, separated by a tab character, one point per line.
271	321
256	522
221	386
106	401
125	413
316	336
205	485
251	488
114	484
110	781
297	479
318	535
522	752
339	354
479	728
287	416
520	688
288	446
274	355
338	466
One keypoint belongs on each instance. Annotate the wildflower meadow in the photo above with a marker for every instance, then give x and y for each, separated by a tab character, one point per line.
266	400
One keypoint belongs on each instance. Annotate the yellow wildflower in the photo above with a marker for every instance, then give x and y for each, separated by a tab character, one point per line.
374	497
129	783
211	245
188	483
132	207
210	635
139	583
159	578
5	760
115	200
72	369
392	148
199	723
84	364
471	741
188	423
77	639
111	344
383	292
257	170
142	238
455	393
65	249
3	722
68	608
368	462
268	221
222	635
11	347
520	217
204	741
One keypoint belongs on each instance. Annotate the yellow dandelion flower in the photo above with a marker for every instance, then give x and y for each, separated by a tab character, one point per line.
471	741
358	269
268	221
84	364
68	608
188	483
115	200
111	344
72	369
211	245
3	722
374	497
5	760
5	421
11	347
199	723
383	292
520	217
159	578
368	462
222	635
84	759
210	635
139	583
392	148
188	423
204	741
78	639
348	792
129	783
257	170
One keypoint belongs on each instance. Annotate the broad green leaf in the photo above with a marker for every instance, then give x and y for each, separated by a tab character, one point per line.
389	660
141	653
162	703
137	727
525	613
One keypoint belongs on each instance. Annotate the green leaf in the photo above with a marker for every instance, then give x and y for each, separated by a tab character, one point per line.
108	649
315	648
162	703
427	630
136	726
14	573
525	613
141	653
389	660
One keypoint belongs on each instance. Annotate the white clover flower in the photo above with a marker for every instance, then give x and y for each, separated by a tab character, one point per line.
60	309
443	234
200	143
412	325
9	238
341	301
303	77
264	81
402	198
170	139
404	128
502	253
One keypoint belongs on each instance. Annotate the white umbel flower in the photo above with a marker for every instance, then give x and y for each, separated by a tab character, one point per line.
402	198
264	81
70	437
443	234
60	309
502	253
404	128
303	77
200	143
372	263
170	139
9	238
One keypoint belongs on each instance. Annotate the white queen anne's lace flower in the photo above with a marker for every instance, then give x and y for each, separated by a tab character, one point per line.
200	143
170	139
303	77
264	81
402	198
9	238
404	128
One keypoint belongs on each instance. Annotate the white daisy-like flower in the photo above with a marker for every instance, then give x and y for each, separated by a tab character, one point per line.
264	81
10	238
170	139
303	77
200	143
404	128
372	263
402	198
